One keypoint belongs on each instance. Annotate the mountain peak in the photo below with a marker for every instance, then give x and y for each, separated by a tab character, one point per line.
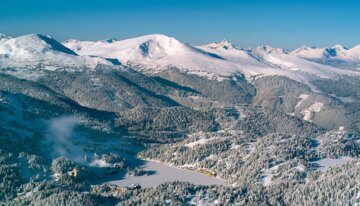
268	49
3	36
156	36
305	48
339	47
153	37
110	40
224	44
35	50
335	51
39	43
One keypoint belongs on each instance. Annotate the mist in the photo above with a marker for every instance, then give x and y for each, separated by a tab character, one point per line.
61	135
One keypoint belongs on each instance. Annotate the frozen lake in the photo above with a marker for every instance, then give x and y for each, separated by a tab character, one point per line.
326	163
165	173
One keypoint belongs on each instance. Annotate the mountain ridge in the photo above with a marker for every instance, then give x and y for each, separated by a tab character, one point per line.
34	51
156	52
153	53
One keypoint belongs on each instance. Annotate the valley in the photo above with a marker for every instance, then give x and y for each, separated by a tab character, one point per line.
152	120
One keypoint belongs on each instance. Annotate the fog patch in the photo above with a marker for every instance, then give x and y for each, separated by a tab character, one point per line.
60	136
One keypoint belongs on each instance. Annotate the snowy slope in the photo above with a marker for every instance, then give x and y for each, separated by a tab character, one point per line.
230	53
36	50
354	53
330	55
153	53
3	37
156	52
284	61
265	60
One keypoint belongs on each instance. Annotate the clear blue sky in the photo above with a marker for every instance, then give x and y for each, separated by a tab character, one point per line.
279	23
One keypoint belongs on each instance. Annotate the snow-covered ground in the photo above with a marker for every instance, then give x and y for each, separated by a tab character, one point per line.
153	53
41	52
308	112
201	141
343	99
302	97
336	52
326	163
166	173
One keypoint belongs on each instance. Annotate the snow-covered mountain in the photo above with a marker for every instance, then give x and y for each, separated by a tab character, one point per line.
337	55
36	50
229	52
73	136
266	61
3	36
337	51
154	53
279	58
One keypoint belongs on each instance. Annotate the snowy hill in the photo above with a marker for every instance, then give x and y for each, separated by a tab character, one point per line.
281	59
337	51
154	53
267	61
226	50
34	50
317	53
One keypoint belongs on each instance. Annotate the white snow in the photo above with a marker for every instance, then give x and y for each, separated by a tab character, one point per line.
308	52
235	146
343	99
3	37
326	163
212	157
302	97
308	112
200	141
300	167
165	173
267	180
154	53
268	174
249	150
38	51
337	52
99	163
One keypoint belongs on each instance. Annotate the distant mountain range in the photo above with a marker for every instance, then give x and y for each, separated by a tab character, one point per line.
30	56
213	60
153	53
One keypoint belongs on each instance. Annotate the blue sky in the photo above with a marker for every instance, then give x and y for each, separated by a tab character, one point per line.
279	23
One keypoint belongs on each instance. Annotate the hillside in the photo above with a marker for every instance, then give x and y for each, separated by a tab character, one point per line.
80	120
